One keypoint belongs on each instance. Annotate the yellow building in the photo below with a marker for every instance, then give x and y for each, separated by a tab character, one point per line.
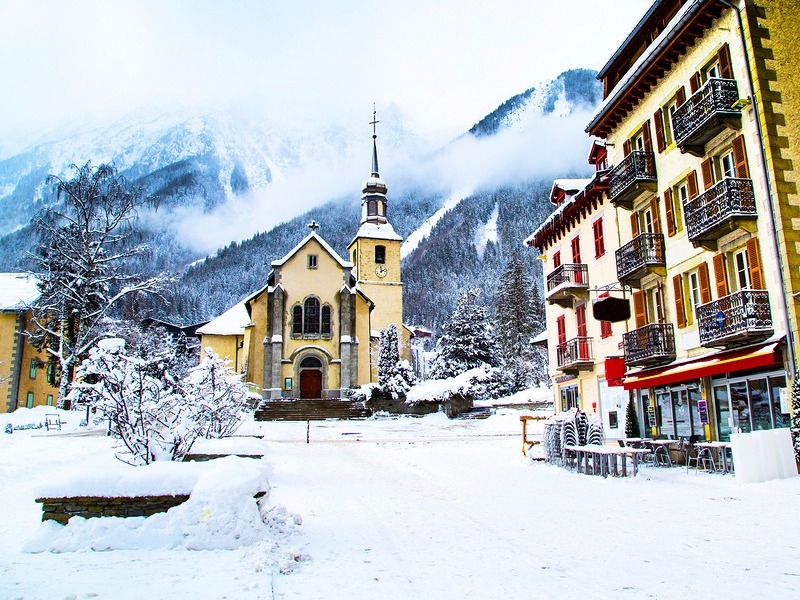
309	332
26	380
698	125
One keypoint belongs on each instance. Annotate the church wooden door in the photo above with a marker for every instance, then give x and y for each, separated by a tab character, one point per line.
310	383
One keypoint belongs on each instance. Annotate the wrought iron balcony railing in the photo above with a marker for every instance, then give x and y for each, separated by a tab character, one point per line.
652	344
720	209
567	282
575	355
633	176
642	255
737	318
707	112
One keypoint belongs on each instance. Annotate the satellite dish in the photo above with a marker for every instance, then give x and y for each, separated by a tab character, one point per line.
611	309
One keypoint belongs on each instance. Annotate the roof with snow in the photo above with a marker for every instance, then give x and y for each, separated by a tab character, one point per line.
377	231
345	264
232	322
17	291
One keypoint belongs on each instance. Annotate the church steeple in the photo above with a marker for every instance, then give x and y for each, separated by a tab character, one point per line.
373	192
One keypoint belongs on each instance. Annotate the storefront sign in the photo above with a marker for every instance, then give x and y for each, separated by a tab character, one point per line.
702	408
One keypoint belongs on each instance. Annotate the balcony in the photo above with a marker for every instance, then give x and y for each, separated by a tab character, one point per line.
650	345
736	319
567	283
643	255
729	205
708	112
632	177
575	355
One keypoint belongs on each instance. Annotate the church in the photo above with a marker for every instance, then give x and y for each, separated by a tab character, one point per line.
312	331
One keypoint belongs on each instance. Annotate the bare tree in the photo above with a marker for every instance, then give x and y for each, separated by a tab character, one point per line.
80	259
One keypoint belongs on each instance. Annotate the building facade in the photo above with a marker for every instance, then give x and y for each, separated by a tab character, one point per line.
698	134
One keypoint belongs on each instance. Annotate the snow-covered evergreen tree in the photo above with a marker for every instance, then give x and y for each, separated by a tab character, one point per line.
80	260
216	394
395	376
795	420
149	416
468	339
518	318
631	420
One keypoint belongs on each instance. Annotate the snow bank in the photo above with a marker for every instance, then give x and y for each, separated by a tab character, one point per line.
221	514
243	445
442	389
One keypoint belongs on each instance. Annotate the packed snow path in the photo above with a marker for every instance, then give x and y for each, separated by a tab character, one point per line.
437	517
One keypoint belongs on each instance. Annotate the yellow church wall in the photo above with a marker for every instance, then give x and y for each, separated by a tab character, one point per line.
226	346
362	335
255	336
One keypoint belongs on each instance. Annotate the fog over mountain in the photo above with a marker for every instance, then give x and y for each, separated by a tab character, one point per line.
248	184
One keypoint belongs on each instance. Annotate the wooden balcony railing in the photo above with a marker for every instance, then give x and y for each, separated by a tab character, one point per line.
741	317
652	344
720	209
635	175
707	112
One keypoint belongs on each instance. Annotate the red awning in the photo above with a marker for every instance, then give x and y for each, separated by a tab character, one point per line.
724	362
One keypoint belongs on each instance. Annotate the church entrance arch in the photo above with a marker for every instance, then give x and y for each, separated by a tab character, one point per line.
311	378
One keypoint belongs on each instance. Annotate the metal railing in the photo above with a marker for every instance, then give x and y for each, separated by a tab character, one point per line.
637	166
576	274
729	199
715	97
645	250
649	344
741	315
575	351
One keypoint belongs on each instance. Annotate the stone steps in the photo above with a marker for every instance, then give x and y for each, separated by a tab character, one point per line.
310	410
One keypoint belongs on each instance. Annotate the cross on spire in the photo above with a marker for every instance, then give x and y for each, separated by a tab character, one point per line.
313	226
374	122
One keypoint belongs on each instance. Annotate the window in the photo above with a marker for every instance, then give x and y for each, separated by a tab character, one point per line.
682	192
372	208
556	259
669	110
312	261
576	249
297	320
311	317
29	400
727	166
606	329
34	366
599	243
613	420
561	326
742	265
693	281
51	373
49	399
380	255
325	327
655	305
711	71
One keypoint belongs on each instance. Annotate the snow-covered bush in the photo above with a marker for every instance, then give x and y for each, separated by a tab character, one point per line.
216	395
148	415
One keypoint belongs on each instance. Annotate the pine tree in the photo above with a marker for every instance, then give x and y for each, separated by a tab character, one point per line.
395	376
518	318
468	339
796	416
631	420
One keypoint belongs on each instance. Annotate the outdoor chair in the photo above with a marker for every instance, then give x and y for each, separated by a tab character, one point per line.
52	421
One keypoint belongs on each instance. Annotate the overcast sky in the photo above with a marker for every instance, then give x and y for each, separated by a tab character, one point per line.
444	64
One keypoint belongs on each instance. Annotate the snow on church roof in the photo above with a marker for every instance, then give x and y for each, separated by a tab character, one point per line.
17	291
232	322
377	231
345	264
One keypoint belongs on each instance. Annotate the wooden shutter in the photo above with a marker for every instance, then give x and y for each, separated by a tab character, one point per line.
599	242
556	259
677	287
646	137
691	185
626	147
634	225
561	326
658	121
680	96
740	158
719	275
694	82
753	257
708	173
580	318
724	57
576	249
656	216
639	309
670	214
705	288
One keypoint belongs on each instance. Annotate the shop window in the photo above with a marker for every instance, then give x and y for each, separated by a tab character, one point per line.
613	420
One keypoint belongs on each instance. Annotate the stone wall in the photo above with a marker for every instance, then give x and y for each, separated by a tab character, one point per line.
61	509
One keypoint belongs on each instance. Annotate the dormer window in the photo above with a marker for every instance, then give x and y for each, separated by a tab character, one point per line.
380	255
312	261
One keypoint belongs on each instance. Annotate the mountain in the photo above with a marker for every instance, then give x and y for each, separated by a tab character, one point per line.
462	208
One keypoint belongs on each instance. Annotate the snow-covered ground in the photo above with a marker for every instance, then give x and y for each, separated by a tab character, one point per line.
419	508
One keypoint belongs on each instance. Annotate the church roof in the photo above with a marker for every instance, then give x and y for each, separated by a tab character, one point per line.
17	291
232	322
345	264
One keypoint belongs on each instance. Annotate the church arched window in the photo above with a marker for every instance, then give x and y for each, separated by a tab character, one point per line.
311	316
297	320
325	322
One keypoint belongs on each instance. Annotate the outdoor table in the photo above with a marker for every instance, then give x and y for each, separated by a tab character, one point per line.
604	459
721	448
664	446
